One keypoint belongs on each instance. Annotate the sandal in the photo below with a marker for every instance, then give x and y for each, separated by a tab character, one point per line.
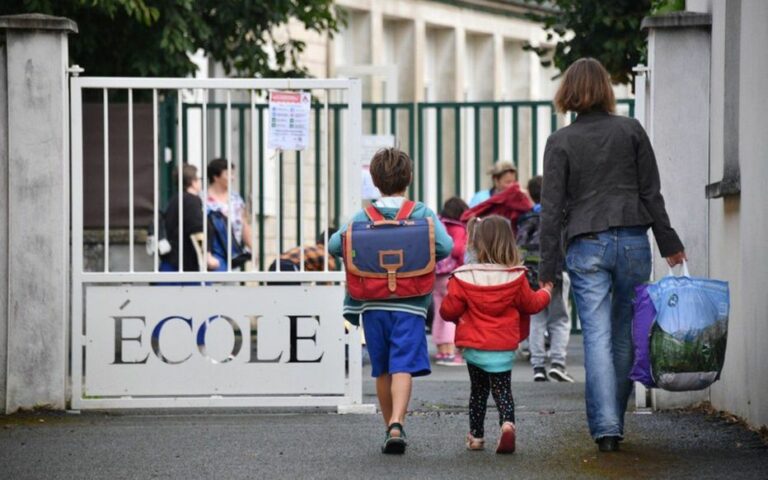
475	443
394	445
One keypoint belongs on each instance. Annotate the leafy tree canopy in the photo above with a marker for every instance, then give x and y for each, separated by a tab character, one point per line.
606	30
154	37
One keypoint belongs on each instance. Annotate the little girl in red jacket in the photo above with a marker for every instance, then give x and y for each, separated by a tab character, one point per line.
491	302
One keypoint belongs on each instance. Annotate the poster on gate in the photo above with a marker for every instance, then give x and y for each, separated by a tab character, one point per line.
288	120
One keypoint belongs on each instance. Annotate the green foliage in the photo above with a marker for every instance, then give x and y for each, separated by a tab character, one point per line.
154	37
606	30
667	6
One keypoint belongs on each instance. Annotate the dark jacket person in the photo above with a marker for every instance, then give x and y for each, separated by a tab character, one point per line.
192	223
601	190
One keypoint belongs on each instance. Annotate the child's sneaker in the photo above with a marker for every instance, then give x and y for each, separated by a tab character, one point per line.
458	360
447	360
558	372
539	374
507	438
474	443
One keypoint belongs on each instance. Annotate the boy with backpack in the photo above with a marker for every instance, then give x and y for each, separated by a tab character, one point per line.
393	323
554	319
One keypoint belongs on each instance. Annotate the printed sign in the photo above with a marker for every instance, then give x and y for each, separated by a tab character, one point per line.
368	147
288	120
226	340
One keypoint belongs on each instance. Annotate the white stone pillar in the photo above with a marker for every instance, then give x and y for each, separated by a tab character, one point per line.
419	60
679	52
34	269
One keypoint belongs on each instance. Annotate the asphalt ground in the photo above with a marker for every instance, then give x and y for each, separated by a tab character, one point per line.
553	441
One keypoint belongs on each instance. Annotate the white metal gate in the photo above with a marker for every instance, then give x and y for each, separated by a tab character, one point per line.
228	339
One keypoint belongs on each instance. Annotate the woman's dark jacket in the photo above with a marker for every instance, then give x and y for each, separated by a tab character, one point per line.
600	172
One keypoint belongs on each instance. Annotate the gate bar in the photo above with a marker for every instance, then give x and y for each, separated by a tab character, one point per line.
106	181
130	178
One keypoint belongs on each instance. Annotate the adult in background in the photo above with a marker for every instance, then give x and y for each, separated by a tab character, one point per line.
503	174
601	185
220	200
192	223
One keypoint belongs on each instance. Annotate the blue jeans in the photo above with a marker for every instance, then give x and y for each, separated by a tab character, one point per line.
605	268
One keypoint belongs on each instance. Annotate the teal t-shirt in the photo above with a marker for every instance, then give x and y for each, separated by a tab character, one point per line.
492	361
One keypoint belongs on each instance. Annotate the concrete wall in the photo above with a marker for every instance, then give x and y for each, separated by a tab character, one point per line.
37	185
3	225
438	22
707	117
678	60
739	227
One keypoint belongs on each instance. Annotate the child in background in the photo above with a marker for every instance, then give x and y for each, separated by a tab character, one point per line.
553	320
491	301
442	331
394	328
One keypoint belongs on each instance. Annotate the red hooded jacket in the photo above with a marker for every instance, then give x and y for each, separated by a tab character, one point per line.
492	305
511	203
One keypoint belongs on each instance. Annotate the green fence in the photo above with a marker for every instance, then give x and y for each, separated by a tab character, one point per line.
409	123
451	144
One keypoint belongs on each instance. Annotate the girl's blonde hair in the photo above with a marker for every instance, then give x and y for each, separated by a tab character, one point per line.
492	241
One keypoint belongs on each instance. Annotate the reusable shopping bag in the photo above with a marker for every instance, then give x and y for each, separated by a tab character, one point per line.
688	337
645	315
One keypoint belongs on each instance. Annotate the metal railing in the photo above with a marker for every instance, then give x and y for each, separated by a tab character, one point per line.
216	318
451	143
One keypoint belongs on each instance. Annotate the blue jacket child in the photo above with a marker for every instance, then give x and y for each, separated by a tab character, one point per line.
388	206
395	332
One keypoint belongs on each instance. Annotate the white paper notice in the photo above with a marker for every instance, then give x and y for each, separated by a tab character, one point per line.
368	147
288	120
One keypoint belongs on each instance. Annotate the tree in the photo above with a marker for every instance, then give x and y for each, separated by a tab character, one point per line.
606	30
154	37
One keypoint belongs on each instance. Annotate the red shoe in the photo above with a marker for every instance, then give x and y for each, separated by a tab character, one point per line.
507	438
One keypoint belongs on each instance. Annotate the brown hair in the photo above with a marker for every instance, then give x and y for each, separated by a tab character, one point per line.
492	241
534	188
453	208
391	170
216	167
586	87
188	175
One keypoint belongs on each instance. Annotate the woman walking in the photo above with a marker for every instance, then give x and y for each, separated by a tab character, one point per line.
601	193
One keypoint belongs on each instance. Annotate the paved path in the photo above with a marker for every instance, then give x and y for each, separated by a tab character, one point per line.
553	441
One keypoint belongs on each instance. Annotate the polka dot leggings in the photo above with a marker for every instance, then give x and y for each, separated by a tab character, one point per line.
483	383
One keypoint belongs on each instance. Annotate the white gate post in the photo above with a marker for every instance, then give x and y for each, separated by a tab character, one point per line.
34	207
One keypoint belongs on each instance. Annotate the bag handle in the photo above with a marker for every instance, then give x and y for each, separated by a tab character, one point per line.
685	272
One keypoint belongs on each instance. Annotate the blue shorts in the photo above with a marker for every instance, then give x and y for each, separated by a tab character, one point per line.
397	343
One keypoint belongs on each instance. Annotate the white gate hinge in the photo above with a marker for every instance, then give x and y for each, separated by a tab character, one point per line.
75	70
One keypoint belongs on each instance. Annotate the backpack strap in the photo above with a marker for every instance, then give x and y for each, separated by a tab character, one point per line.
373	213
405	210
